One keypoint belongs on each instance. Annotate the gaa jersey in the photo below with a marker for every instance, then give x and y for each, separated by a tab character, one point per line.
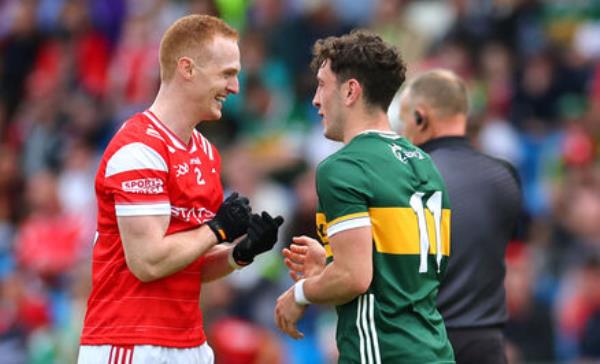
381	180
148	170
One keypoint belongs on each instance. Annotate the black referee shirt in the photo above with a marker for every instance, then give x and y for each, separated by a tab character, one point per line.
485	200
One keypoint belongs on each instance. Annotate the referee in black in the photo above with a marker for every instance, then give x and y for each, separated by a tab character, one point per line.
485	196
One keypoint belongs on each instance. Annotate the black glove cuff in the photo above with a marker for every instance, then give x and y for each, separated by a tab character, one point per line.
217	230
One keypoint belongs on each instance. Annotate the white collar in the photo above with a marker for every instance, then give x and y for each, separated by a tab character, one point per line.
388	132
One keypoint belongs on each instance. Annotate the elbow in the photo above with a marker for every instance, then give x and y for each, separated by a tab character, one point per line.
145	276
360	287
143	271
359	284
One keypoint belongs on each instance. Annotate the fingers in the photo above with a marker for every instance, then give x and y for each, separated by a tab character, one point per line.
279	318
293	261
294	253
298	249
277	221
292	331
287	327
295	276
304	240
293	266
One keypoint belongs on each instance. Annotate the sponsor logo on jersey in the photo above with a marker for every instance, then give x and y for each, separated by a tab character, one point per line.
182	169
191	214
404	155
195	161
149	186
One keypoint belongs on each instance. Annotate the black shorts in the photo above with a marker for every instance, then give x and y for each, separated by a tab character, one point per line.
478	345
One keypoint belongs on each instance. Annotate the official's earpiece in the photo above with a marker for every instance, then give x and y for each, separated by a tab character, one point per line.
418	118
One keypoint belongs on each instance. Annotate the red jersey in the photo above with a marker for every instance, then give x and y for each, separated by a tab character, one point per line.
147	170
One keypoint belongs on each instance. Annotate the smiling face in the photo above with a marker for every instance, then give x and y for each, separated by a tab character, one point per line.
216	76
329	102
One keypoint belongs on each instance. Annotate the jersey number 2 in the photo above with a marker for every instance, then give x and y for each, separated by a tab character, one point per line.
199	179
434	205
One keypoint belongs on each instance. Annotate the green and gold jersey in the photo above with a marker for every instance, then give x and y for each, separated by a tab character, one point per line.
381	180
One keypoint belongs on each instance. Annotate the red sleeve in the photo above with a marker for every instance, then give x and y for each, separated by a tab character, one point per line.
136	174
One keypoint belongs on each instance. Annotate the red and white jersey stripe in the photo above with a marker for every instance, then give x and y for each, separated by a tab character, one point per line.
148	170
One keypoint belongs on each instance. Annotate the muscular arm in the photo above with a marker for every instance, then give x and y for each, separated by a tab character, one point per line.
150	255
350	273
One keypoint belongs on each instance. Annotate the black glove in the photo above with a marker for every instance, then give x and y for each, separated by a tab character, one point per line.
262	235
232	219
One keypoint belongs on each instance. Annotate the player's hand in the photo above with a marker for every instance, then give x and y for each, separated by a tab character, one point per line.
262	235
305	257
232	219
287	313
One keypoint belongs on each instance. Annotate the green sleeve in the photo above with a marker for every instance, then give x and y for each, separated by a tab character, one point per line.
343	188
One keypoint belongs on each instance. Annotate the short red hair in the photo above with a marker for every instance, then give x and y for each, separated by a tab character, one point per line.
186	36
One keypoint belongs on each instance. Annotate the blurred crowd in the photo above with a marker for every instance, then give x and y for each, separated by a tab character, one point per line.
71	71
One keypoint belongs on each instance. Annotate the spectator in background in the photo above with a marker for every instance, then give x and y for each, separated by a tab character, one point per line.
529	330
50	240
160	210
76	56
486	201
132	77
18	49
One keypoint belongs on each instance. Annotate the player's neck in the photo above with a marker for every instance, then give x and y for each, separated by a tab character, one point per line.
362	122
174	113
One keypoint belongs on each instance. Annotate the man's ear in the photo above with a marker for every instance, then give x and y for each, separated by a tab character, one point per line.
421	118
418	118
351	91
185	67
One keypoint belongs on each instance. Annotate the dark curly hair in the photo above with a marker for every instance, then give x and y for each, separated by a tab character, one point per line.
364	56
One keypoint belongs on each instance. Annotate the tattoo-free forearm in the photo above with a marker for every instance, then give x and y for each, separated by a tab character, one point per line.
150	255
350	273
216	264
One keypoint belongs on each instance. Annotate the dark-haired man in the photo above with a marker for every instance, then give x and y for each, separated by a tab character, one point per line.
383	217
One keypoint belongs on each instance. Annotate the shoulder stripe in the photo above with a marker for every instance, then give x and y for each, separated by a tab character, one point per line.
135	156
347	217
143	209
348	224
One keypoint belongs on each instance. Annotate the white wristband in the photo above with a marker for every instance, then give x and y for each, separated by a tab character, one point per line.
299	296
232	262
